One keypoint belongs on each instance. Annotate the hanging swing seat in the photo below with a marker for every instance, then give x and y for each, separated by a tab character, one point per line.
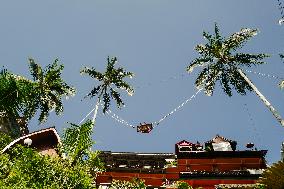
145	128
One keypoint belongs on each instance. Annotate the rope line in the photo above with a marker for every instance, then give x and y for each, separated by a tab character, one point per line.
270	76
118	119
252	123
87	115
177	108
122	121
163	80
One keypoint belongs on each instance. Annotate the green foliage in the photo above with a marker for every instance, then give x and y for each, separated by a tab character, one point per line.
15	95
26	168
220	62
4	140
76	146
21	97
49	87
273	177
77	141
183	185
133	184
111	80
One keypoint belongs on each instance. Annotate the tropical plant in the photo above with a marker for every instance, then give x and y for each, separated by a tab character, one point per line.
123	184
273	176
76	146
183	185
16	92
21	98
221	62
49	87
111	81
4	140
25	168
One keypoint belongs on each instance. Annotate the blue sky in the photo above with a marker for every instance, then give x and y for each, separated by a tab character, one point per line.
155	40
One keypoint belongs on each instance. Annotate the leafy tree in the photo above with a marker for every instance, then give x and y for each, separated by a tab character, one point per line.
111	81
4	140
49	87
16	92
76	146
273	177
220	62
183	185
21	98
133	184
26	168
23	167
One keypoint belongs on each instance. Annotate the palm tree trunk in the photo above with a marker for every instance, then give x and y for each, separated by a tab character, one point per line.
96	110
264	100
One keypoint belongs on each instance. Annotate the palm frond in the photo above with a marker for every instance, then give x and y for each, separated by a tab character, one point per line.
198	62
238	39
35	70
225	83
249	59
220	64
92	73
211	78
77	141
106	100
201	78
116	96
238	82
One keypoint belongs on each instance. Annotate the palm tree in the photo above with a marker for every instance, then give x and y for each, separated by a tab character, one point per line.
110	82
273	176
21	98
50	88
222	63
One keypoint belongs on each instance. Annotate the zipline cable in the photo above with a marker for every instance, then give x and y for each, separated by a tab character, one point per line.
252	123
156	123
177	108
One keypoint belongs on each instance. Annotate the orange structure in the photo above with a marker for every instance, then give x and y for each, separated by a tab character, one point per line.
218	162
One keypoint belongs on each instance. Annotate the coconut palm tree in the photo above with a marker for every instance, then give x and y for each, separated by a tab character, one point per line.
50	88
221	62
21	98
111	81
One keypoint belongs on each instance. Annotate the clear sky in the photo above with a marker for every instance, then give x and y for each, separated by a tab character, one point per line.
155	39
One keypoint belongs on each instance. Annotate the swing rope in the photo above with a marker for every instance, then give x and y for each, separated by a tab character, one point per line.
156	123
177	108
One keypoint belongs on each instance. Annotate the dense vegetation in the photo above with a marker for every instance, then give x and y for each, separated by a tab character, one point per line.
24	167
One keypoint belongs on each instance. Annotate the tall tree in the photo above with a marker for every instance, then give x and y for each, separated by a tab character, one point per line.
21	98
221	62
50	88
111	81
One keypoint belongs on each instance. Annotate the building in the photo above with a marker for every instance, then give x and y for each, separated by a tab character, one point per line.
218	162
44	141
